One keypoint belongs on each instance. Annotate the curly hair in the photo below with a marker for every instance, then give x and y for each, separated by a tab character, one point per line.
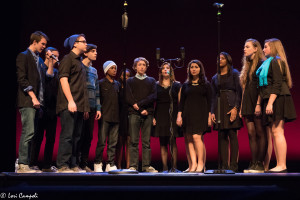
247	69
139	59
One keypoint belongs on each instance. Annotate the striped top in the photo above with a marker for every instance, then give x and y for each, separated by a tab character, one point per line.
92	84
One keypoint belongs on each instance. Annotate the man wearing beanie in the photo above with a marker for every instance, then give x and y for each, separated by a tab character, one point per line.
92	84
140	96
72	102
109	123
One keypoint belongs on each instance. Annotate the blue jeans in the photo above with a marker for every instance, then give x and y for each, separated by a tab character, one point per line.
137	123
29	122
71	128
108	130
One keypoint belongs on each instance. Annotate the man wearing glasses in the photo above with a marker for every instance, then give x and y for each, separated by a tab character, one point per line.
72	102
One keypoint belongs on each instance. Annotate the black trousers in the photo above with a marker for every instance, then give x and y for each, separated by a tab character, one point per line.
46	122
86	139
226	137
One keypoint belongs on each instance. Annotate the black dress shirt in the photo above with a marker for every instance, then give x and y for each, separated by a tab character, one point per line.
72	68
109	98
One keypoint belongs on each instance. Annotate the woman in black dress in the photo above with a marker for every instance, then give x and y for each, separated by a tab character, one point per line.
230	100
124	138
194	114
253	58
277	105
166	109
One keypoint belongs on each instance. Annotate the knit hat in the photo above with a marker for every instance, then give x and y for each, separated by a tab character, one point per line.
108	64
69	42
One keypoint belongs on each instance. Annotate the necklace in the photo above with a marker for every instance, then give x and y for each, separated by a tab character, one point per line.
195	83
165	86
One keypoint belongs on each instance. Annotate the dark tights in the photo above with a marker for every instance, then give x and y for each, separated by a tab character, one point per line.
164	141
257	138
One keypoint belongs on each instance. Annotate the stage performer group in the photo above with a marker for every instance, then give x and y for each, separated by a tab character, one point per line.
134	105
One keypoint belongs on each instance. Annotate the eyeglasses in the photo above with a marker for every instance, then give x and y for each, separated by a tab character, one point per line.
83	41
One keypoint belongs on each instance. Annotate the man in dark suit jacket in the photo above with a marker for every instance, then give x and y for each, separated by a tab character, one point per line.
31	81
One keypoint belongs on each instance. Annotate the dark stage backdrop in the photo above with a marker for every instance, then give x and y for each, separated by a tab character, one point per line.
169	25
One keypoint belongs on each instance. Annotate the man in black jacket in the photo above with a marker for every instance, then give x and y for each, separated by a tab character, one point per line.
31	80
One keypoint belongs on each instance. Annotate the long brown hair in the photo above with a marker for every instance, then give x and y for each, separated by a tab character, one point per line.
160	76
277	49
258	56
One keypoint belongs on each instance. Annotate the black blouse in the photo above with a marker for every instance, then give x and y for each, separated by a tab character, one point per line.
276	80
204	90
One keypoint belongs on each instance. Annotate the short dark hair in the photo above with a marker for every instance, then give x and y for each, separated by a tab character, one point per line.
89	48
37	36
51	49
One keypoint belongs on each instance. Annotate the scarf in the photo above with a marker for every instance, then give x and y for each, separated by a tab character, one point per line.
262	72
141	77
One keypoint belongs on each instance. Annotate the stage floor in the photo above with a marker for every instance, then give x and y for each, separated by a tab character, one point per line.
152	185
